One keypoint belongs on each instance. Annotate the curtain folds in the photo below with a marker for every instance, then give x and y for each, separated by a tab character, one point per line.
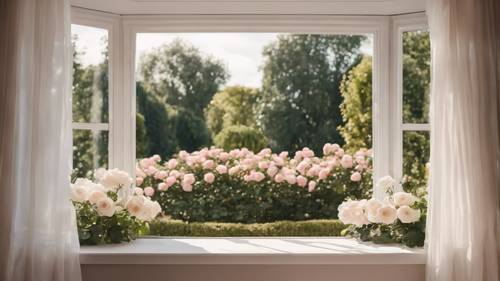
38	238
463	220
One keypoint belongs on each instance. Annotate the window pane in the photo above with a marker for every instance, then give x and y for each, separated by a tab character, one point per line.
90	151
416	76
416	152
201	89
90	74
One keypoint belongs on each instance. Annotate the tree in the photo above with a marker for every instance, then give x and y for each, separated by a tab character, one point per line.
181	76
232	106
159	126
301	81
238	136
356	107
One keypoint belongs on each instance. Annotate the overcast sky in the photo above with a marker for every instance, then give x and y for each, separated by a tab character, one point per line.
241	52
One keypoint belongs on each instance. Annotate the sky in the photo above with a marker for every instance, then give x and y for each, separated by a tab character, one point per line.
240	52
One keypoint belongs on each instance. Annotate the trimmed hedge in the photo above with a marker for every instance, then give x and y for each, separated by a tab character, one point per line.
167	227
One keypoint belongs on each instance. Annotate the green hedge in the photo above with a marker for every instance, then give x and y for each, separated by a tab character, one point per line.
165	227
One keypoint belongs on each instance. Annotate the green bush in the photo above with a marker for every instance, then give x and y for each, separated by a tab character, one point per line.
240	136
255	188
166	227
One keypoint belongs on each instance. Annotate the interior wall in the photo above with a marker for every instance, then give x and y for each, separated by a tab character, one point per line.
116	272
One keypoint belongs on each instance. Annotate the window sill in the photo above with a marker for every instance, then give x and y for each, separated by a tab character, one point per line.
255	250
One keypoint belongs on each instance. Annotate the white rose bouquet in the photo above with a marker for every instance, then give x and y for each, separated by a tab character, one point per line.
399	218
108	210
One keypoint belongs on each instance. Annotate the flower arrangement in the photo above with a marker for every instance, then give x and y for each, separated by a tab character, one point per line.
242	186
108	210
399	218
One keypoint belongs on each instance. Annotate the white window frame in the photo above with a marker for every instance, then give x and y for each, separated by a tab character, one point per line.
387	127
111	23
401	24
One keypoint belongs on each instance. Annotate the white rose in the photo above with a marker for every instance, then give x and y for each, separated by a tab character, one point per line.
386	183
403	199
114	178
135	205
408	215
352	212
79	193
95	196
99	173
387	214
371	208
105	207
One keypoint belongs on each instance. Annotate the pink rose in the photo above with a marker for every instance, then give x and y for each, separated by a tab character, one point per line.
279	178
272	171
291	179
187	187
151	170
156	158
209	177
263	165
346	161
163	186
258	176
301	181
138	191
221	169
172	163
188	178
307	153
149	191
208	164
356	176
170	181
311	186
161	175
234	170
224	156
139	181
323	174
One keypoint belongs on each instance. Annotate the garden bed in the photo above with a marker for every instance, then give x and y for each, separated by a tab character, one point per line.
167	227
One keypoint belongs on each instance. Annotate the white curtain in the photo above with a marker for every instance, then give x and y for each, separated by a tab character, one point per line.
463	222
38	239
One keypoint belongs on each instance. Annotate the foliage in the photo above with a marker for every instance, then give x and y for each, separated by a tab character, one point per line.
416	81
191	130
94	229
108	211
399	218
167	227
159	126
181	76
356	107
141	135
90	104
236	136
232	106
241	186
301	81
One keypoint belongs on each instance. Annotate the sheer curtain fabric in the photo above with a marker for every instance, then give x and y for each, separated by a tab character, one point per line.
462	231
38	239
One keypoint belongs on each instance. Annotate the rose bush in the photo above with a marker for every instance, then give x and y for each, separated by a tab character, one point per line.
241	186
108	210
399	218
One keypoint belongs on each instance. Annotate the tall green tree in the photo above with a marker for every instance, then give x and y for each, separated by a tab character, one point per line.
180	75
232	106
356	107
301	82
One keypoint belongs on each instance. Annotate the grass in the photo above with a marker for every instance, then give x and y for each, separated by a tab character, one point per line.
167	227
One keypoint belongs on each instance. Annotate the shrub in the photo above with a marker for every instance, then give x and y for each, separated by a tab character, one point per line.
241	186
240	136
166	227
